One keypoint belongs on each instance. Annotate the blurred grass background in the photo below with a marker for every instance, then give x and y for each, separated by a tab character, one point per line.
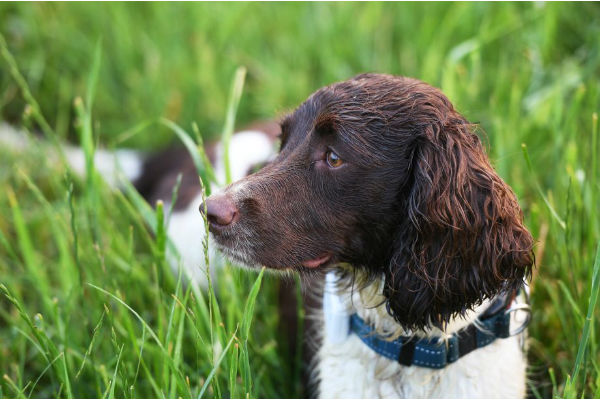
528	73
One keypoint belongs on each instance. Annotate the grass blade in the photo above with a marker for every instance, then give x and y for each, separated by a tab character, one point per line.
24	87
28	252
249	308
154	336
245	332
539	189
91	346
111	393
216	366
583	344
43	373
199	162
233	368
161	234
232	107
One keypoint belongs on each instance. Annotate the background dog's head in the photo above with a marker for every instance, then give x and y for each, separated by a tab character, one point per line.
382	173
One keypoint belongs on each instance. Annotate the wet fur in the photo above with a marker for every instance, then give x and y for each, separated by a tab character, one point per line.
416	200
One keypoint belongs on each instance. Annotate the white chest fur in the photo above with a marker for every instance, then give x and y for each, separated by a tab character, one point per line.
347	368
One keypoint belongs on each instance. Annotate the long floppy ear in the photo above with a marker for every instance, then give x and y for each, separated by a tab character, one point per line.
462	239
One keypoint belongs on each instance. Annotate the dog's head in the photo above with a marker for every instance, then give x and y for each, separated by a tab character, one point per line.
382	173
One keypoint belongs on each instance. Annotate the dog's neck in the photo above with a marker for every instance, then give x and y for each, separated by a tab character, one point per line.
348	367
369	303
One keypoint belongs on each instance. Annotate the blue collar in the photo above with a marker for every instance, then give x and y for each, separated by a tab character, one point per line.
437	353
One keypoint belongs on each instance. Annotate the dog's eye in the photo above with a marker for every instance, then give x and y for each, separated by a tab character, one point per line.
333	160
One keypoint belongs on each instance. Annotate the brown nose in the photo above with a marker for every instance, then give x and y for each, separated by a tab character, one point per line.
220	211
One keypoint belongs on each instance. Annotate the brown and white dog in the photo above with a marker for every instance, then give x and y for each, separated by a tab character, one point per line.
155	175
382	184
382	181
249	149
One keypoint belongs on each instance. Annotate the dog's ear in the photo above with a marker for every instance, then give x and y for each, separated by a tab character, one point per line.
462	239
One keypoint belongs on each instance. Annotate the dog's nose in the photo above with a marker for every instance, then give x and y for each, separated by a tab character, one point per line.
220	211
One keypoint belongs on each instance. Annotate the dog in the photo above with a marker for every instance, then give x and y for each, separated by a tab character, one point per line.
380	183
249	149
155	175
382	193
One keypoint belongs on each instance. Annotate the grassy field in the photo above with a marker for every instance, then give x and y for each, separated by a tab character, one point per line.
88	305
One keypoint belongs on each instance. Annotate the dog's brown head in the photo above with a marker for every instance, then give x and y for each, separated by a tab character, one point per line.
382	173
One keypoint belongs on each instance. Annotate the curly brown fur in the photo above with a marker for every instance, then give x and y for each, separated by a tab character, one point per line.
462	237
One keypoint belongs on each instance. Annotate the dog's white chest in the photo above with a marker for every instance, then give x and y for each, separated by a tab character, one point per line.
352	370
347	368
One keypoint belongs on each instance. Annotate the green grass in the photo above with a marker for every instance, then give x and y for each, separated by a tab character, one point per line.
88	305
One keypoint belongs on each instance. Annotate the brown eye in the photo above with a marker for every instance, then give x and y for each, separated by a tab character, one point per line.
333	160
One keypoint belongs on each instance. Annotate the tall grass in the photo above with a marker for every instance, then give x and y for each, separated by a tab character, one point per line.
86	337
89	306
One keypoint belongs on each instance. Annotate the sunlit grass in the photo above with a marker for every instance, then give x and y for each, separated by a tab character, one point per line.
179	344
89	306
